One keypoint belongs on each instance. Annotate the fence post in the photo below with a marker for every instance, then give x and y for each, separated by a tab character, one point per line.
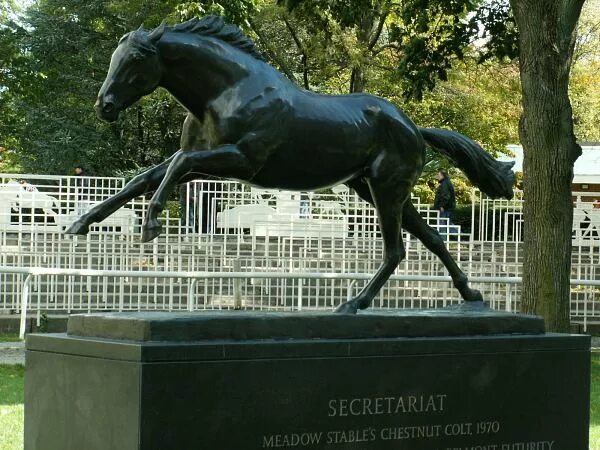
585	303
237	285
349	290
24	304
299	295
191	293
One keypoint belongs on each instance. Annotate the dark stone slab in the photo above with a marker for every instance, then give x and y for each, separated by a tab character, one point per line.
244	325
222	350
509	392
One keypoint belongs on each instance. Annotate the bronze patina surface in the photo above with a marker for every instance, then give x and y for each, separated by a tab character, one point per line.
248	122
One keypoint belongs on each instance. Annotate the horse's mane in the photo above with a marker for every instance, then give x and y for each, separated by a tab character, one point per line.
215	26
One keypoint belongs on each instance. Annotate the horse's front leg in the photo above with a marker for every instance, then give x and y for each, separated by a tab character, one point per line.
226	162
144	182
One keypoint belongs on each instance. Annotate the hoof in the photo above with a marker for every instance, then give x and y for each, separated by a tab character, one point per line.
469	307
151	231
474	296
347	308
78	227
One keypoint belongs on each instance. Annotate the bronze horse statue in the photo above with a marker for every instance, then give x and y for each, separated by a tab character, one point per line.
248	122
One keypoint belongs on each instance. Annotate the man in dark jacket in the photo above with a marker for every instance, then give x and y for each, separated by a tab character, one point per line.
445	200
188	202
83	192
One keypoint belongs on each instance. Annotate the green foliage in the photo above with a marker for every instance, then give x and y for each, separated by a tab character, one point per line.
235	11
595	403
54	57
585	75
172	209
416	41
427	185
64	49
11	407
463	215
10	54
9	338
479	100
585	100
54	62
500	32
482	101
11	385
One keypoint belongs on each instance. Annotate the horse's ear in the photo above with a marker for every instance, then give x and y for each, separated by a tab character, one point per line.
141	28
157	33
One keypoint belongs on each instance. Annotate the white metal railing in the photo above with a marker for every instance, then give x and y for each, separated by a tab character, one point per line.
230	227
227	223
33	272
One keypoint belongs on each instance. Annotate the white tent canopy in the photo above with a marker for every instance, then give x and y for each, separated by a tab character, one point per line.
587	166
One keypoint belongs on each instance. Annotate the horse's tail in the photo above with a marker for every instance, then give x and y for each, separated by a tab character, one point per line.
494	178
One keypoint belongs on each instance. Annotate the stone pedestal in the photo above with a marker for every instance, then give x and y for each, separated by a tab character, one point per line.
244	381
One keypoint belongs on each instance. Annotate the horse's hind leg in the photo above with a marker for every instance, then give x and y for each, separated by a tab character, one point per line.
416	225
146	181
390	188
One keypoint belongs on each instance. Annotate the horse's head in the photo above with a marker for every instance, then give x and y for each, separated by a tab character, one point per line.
135	70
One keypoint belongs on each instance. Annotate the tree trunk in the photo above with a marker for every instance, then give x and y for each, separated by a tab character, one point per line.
547	36
366	33
357	80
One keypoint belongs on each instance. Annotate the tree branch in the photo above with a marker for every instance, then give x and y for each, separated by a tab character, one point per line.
272	53
385	47
377	34
302	52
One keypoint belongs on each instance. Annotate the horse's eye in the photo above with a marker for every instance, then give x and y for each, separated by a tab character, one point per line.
137	79
137	57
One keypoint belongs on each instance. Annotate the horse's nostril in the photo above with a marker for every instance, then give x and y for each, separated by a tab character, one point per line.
108	107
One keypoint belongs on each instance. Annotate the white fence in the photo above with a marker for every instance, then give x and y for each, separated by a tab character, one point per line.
230	227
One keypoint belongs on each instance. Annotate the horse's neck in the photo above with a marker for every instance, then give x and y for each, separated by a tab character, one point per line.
197	69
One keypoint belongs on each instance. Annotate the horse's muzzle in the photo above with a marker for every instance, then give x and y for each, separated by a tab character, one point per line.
106	110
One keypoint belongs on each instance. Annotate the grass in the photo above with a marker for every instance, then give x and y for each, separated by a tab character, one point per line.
9	338
595	404
11	407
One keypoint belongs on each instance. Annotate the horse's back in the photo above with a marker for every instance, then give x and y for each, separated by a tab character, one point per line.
329	139
300	139
355	124
360	111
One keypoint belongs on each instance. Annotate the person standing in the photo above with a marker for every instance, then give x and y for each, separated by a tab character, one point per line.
82	191
188	203
445	199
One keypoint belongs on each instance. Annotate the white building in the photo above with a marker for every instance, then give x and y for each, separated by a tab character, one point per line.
587	168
